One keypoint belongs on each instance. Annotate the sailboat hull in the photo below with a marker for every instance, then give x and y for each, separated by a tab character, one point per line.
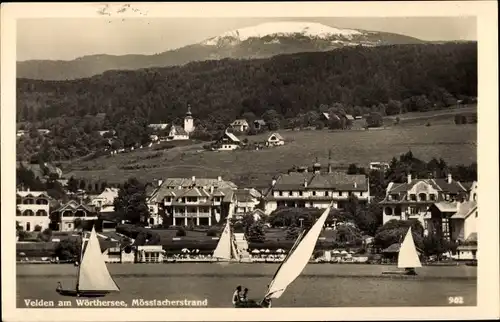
249	304
75	293
405	272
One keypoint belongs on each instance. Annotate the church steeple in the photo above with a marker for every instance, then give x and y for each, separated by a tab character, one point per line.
188	121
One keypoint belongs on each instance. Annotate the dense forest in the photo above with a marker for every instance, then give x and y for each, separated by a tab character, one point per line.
387	79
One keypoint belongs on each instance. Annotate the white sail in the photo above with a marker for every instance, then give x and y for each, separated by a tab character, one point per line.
94	275
297	259
224	247
408	257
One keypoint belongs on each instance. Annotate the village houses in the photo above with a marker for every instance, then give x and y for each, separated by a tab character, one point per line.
316	189
175	133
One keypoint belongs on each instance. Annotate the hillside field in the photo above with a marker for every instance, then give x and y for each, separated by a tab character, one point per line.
455	144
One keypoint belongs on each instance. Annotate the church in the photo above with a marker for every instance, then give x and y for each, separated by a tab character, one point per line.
176	132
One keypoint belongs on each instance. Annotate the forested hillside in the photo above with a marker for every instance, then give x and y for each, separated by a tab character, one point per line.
359	79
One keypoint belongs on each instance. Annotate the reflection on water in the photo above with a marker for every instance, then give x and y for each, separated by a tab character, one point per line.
319	286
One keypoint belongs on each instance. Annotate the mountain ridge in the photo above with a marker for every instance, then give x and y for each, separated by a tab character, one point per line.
302	37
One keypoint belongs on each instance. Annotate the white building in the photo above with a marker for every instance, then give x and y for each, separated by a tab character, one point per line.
196	201
177	133
412	199
275	139
188	122
32	209
227	142
105	199
240	125
316	189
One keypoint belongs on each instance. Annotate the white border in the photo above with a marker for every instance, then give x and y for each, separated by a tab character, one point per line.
488	272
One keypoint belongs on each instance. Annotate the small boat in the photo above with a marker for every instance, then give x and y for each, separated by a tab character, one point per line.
472	263
93	278
225	251
407	257
293	264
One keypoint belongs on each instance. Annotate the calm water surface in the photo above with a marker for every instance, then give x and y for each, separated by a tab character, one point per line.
320	285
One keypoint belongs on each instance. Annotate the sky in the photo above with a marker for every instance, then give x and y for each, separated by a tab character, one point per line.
68	39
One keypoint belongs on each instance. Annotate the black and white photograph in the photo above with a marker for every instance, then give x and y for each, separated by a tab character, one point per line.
177	156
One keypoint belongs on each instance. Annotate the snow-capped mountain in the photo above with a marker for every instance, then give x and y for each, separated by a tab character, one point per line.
283	29
260	41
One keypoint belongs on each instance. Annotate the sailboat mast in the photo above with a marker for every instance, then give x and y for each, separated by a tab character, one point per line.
79	263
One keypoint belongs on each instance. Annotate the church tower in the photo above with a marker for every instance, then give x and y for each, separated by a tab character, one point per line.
188	121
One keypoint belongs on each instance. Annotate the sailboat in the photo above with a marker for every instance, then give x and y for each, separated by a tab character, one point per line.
407	257
293	265
93	279
225	251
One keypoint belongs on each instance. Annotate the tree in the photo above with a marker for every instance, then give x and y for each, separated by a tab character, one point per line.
292	232
72	185
131	202
181	232
393	107
256	233
38	228
394	231
68	249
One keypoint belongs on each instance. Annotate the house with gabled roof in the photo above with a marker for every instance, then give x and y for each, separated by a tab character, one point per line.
259	124
246	200
412	199
193	201
227	142
177	133
63	218
240	125
316	189
275	139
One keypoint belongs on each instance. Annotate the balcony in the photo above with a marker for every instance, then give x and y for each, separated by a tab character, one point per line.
191	214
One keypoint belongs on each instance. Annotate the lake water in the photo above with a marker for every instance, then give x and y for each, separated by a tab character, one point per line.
320	285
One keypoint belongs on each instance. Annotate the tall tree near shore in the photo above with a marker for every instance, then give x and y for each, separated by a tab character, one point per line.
131	202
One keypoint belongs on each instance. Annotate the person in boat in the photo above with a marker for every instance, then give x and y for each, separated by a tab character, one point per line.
59	286
237	295
244	296
266	302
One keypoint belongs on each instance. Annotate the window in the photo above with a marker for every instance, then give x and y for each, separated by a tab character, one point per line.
413	197
432	197
301	193
281	193
349	193
340	193
326	193
413	210
361	194
314	193
388	211
422	197
28	226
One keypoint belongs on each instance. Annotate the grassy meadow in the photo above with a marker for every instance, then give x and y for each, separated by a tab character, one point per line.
455	144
